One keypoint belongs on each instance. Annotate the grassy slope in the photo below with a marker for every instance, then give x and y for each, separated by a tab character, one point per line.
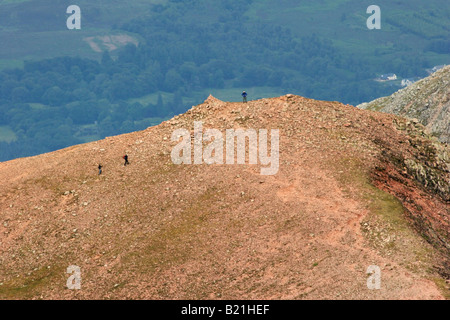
344	22
41	25
6	134
37	30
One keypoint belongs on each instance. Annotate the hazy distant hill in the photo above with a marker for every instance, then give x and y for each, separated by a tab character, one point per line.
36	29
135	63
427	100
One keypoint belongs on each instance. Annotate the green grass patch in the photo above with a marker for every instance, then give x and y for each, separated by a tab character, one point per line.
355	179
386	227
29	286
39	106
152	98
386	206
7	134
443	287
174	242
10	64
12	1
405	27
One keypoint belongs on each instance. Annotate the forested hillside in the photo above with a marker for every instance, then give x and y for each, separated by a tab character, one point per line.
60	87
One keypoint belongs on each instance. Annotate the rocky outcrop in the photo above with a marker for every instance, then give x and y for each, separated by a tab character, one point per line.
409	176
427	100
430	161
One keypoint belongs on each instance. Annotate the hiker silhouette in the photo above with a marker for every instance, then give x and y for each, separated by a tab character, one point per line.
244	97
100	169
126	160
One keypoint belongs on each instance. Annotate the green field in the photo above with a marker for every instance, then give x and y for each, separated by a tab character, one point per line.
36	29
411	25
10	63
13	1
6	134
152	98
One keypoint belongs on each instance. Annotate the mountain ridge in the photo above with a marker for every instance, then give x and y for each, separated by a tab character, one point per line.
352	190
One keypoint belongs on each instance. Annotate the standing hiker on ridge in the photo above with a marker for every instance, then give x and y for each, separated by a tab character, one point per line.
126	159
100	169
244	97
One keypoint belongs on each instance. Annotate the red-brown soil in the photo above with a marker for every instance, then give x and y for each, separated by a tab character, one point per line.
341	202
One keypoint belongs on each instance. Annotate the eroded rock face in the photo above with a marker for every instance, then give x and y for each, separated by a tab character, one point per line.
429	177
430	165
421	166
427	101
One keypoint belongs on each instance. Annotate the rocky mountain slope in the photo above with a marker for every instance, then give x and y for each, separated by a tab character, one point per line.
427	100
354	188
